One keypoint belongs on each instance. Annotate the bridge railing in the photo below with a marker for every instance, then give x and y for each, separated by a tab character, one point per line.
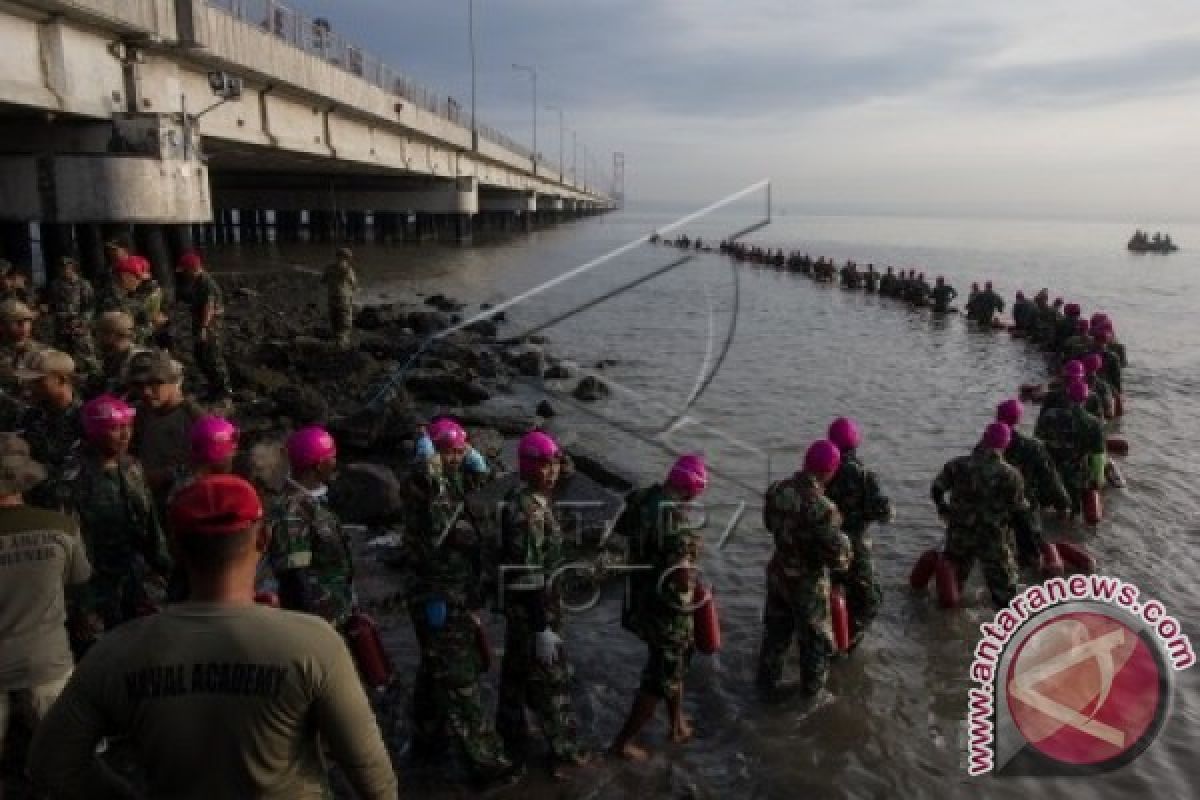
316	37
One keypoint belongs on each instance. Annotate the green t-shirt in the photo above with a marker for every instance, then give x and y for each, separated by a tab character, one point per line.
217	701
40	554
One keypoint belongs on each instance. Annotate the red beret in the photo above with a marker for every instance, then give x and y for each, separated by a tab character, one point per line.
133	265
215	504
190	260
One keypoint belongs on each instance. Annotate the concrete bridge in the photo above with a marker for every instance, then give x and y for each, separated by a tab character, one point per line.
171	119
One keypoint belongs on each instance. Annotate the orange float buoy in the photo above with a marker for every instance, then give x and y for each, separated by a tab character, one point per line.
706	622
366	645
947	582
922	571
1077	556
1117	446
1093	507
839	614
1052	563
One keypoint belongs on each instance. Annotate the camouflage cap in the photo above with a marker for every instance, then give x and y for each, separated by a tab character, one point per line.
154	366
18	471
115	322
41	363
344	252
13	309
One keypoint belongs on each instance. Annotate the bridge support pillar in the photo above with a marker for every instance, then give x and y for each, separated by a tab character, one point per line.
91	251
152	244
58	240
356	226
16	243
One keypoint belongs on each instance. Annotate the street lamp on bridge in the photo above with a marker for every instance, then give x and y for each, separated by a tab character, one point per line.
561	174
533	76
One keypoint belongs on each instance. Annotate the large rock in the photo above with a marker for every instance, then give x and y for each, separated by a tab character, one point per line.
441	387
302	404
443	303
529	361
591	389
514	424
261	380
366	494
557	372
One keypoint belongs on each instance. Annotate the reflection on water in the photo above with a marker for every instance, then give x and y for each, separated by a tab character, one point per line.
923	387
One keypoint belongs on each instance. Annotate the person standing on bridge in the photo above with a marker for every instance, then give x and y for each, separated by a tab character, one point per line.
341	281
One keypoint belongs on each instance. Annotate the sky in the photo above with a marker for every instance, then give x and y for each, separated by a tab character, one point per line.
1071	108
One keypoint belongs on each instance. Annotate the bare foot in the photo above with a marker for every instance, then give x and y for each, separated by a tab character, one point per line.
630	752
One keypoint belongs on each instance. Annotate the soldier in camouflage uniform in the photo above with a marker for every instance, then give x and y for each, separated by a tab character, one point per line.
943	295
116	351
535	671
1043	486
16	342
72	301
660	598
1102	401
104	488
340	280
51	423
1078	344
310	552
985	495
1075	439
139	296
443	556
1024	312
203	298
856	493
804	524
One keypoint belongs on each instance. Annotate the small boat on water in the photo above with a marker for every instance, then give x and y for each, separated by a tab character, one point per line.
1140	242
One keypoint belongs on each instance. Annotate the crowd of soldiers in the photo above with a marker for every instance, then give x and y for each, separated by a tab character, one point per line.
137	570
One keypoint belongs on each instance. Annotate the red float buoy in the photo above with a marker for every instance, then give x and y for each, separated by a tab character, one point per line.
1093	507
839	614
1077	556
947	582
1117	446
267	599
922	571
1052	563
706	622
367	647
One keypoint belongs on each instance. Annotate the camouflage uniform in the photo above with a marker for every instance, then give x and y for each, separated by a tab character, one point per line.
124	541
532	539
1043	488
985	494
199	293
658	605
306	536
144	304
53	436
1111	371
1024	312
11	356
856	493
1075	440
943	296
1077	346
112	374
341	282
804	524
72	302
446	694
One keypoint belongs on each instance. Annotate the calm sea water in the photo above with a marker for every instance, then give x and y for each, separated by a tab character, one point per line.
799	355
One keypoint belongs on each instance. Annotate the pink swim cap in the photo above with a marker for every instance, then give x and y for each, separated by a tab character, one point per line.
1093	362
446	434
689	476
213	440
845	433
1100	320
822	457
105	413
1074	369
997	436
308	447
535	449
1077	391
1009	412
